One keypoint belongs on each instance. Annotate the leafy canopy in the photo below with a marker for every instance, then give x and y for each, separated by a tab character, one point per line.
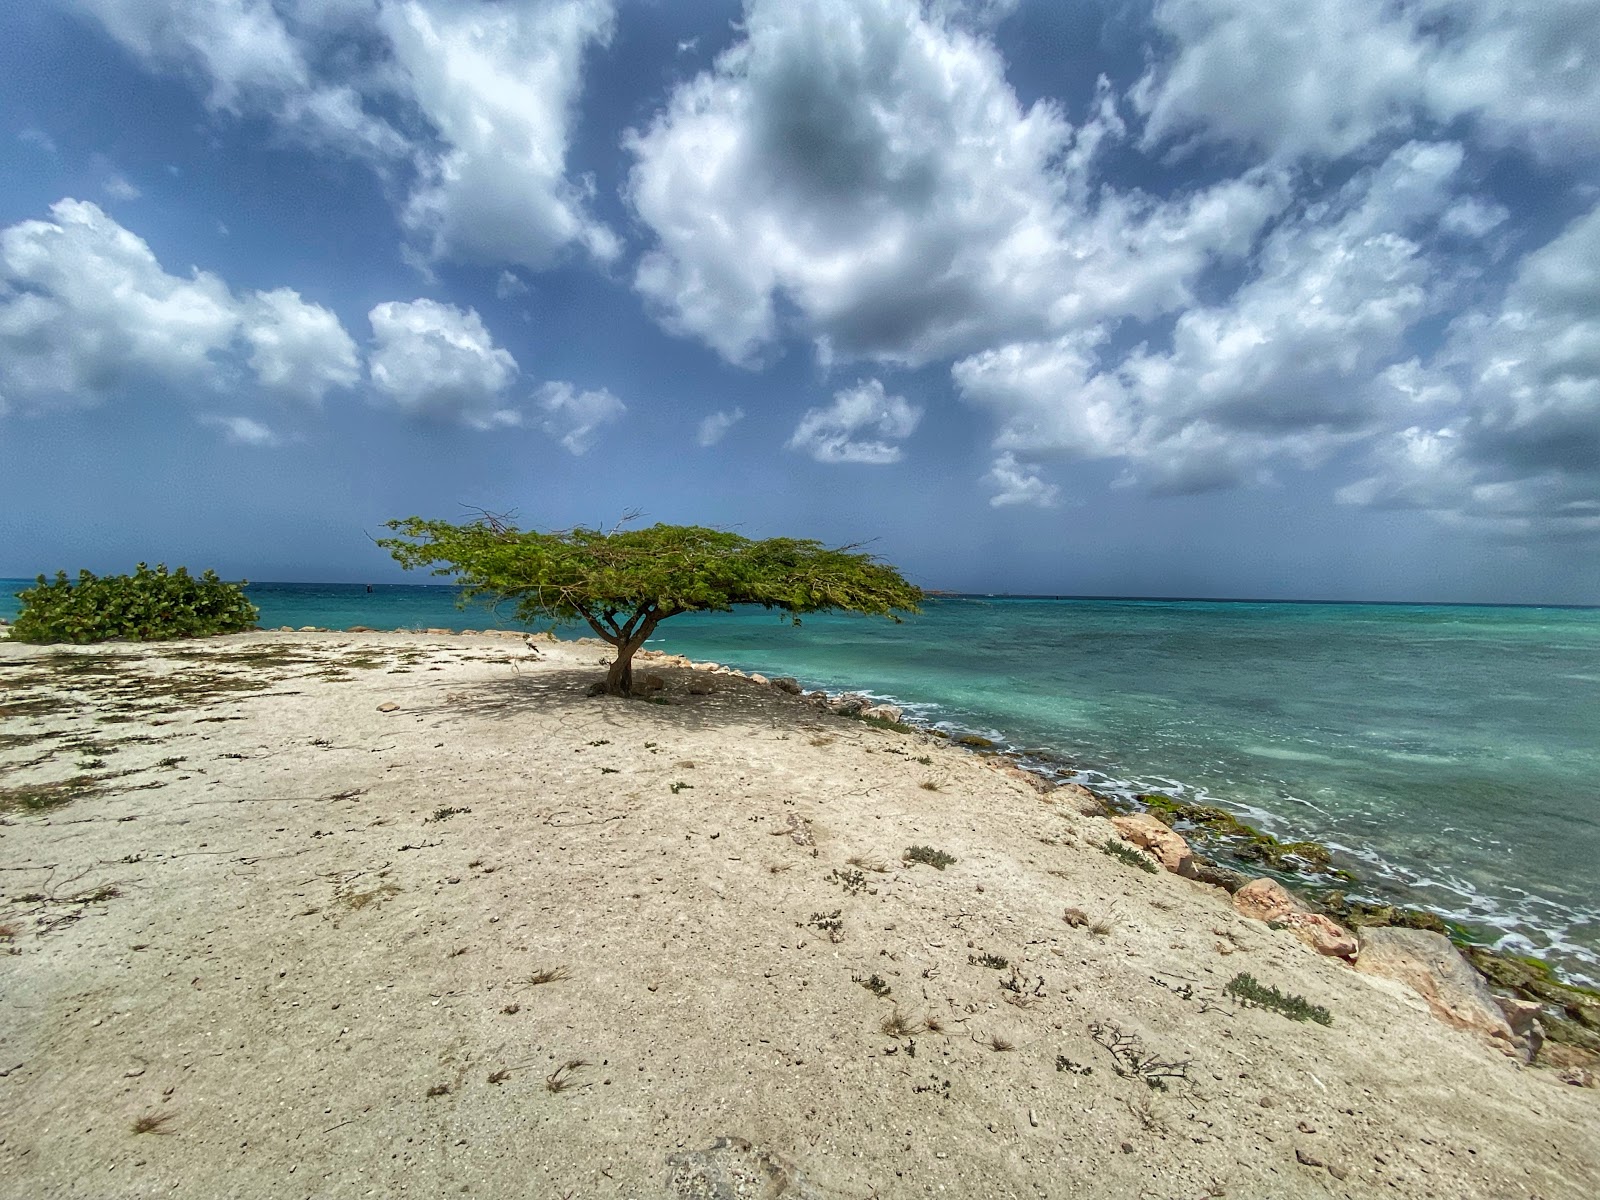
624	582
147	605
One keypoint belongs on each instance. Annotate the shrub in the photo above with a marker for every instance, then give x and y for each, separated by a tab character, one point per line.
145	606
1244	988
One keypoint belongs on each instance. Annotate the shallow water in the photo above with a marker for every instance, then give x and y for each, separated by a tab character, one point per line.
1452	751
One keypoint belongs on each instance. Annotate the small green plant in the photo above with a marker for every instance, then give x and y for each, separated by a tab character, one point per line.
1248	991
444	814
995	962
924	759
852	881
828	923
1129	855
610	771
1130	1059
936	859
145	606
873	984
601	742
680	785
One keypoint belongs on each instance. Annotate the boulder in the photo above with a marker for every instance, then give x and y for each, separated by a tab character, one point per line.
1269	900
785	683
884	712
1080	797
360	629
1523	1017
850	704
1264	900
1322	934
1147	833
758	677
1427	963
644	685
1225	878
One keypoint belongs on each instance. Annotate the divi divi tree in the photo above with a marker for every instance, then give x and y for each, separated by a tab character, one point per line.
627	581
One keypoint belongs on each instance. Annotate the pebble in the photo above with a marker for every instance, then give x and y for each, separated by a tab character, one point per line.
388	706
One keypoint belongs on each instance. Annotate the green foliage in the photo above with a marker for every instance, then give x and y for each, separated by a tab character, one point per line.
1248	991
625	582
937	859
146	606
1128	855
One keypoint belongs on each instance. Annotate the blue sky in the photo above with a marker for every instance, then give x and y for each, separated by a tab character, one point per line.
1182	297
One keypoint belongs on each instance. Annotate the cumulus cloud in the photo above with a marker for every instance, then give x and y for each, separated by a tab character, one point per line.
438	362
1517	447
862	425
86	309
469	101
1283	369
714	427
1325	77
574	418
1017	483
865	164
498	84
298	349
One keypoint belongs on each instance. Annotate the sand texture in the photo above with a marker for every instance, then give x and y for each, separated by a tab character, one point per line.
266	936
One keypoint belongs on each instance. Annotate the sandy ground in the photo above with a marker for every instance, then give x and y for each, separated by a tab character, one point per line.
508	940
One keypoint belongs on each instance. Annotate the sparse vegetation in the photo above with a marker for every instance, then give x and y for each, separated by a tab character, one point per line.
547	975
1129	855
1248	991
898	1025
828	923
936	859
561	1078
994	962
873	984
852	881
1130	1059
153	1123
444	814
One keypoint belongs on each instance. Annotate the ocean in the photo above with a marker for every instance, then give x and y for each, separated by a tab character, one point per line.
1449	755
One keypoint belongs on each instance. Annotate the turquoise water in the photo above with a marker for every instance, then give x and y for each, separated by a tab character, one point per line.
1450	754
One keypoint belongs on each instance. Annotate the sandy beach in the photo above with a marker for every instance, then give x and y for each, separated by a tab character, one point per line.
329	915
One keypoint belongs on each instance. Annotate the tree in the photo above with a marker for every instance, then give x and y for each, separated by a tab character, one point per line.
626	582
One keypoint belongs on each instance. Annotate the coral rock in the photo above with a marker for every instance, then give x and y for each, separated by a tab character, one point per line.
1147	833
1433	968
1264	900
1321	934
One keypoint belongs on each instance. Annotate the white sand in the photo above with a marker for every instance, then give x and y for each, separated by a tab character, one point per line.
297	952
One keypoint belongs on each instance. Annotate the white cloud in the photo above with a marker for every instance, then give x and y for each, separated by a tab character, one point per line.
1325	77
508	286
1282	369
714	427
247	59
1518	446
86	309
860	426
574	418
1017	483
118	187
241	431
298	349
866	164
498	83
471	101
438	361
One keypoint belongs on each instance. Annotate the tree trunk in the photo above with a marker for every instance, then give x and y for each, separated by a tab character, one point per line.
619	675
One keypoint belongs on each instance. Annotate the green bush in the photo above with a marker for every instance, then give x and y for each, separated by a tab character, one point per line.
145	606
